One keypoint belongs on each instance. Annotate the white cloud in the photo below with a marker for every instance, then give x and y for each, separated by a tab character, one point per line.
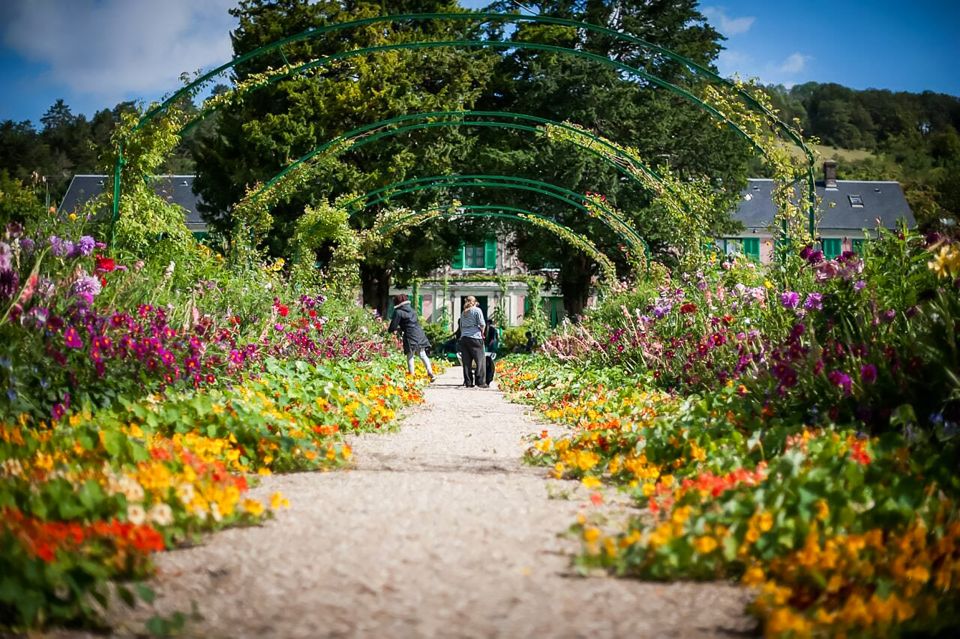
112	49
725	24
795	63
731	62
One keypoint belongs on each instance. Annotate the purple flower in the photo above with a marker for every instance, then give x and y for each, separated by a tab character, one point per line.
814	302
888	316
27	245
86	287
59	248
85	245
6	256
9	283
868	373
841	380
859	285
790	299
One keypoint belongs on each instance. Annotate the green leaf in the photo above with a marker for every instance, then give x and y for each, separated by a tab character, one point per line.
113	442
146	593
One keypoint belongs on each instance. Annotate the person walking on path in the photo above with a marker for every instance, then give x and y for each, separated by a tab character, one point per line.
415	341
471	343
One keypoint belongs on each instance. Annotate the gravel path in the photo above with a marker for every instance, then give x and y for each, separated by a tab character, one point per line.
439	531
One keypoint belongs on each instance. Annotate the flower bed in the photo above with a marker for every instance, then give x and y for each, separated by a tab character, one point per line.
792	459
138	411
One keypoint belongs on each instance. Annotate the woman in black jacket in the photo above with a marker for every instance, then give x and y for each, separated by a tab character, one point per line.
415	341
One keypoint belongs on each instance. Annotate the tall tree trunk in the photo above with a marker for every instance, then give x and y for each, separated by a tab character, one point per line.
575	284
375	282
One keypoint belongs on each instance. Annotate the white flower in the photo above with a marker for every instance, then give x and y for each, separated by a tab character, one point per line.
161	514
132	489
215	512
136	515
186	493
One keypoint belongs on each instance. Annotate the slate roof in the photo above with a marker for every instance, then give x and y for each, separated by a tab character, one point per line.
177	189
881	199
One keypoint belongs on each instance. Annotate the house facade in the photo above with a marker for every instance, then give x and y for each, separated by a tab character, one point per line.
489	272
848	209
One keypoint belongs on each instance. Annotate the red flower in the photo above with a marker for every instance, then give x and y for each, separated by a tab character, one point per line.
105	264
689	307
283	310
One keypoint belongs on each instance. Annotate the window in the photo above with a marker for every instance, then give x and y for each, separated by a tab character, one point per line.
732	246
856	200
832	247
856	245
751	248
476	256
473	256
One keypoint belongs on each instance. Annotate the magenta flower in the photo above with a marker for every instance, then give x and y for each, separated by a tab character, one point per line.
868	373
72	338
841	380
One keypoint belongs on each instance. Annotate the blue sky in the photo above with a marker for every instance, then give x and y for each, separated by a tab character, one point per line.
95	53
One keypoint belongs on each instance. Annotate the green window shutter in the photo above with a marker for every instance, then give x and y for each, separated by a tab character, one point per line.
857	246
458	258
751	248
526	305
490	254
420	304
832	247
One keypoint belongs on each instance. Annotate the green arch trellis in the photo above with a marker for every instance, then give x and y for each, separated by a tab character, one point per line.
483	18
346	141
566	196
562	231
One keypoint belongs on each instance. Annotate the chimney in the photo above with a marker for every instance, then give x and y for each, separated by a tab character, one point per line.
830	174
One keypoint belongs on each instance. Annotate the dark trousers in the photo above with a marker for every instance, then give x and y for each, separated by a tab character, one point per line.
471	351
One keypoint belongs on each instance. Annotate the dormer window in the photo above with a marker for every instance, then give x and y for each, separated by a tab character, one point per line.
856	201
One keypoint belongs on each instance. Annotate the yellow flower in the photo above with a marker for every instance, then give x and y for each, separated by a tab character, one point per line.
72	217
753	576
590	535
591	482
705	545
918	573
822	510
946	262
277	500
766	521
253	507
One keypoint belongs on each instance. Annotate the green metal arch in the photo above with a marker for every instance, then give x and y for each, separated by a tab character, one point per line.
502	212
485	17
571	198
457	120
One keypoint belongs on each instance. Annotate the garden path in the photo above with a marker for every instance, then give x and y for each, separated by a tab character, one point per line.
439	531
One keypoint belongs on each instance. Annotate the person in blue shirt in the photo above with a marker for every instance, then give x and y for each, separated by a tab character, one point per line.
472	327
